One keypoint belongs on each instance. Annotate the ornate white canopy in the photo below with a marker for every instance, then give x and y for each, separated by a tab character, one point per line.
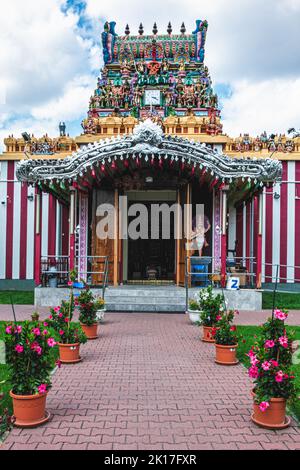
148	142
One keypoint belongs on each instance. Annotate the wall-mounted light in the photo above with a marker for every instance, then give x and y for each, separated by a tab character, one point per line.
30	197
276	195
149	179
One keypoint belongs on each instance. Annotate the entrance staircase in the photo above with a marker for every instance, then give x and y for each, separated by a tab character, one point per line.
145	299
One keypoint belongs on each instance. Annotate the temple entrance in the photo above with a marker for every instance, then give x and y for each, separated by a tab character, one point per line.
151	260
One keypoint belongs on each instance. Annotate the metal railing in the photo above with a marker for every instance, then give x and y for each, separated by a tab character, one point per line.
57	268
244	267
208	277
89	274
275	270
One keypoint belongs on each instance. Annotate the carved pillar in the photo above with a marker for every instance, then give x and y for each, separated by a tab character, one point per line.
83	235
223	238
259	242
72	229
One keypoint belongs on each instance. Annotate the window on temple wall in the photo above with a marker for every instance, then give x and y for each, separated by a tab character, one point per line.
104	130
17	148
185	130
98	129
178	130
116	130
122	130
203	129
196	130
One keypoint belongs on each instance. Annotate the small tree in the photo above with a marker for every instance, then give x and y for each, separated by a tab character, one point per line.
30	357
210	305
87	307
271	360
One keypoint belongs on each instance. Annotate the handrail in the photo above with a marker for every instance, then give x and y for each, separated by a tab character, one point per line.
63	272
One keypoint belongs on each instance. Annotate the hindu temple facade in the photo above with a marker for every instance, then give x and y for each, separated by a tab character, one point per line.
153	133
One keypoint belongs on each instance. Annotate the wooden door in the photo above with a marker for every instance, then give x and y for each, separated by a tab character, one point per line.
105	246
183	221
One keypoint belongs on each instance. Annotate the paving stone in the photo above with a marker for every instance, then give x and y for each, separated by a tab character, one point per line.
149	383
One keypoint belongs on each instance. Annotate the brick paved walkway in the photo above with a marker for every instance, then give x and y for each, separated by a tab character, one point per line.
149	383
23	312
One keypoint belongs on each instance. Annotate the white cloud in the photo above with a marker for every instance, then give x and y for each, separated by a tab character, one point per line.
268	105
46	66
71	104
47	63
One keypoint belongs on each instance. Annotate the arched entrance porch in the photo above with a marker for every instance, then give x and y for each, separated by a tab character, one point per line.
111	164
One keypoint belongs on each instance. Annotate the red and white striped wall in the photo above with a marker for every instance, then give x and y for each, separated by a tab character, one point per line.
17	226
281	226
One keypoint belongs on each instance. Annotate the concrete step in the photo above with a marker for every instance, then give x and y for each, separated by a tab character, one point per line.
141	307
145	294
146	300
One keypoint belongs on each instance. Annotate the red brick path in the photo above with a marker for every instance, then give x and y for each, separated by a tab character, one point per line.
23	312
149	383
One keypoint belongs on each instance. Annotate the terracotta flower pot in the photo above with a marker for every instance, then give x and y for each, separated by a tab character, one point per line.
69	353
207	334
275	415
30	410
226	355
90	330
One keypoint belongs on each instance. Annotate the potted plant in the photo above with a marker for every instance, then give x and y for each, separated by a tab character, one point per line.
31	358
211	307
35	316
194	311
6	420
100	308
226	339
70	334
270	367
87	313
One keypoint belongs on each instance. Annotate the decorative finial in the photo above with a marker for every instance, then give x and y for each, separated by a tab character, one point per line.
183	28
127	30
141	29
169	28
154	30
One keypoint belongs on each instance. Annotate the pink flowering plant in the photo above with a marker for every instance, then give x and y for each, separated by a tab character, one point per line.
6	420
270	362
224	332
211	306
31	354
60	320
87	307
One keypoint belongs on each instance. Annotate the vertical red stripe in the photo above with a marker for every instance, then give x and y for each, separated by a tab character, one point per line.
10	218
23	231
223	259
255	205
297	222
239	231
283	223
65	231
37	240
248	234
269	234
52	226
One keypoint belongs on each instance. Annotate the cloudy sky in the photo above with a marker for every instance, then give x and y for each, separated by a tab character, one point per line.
50	57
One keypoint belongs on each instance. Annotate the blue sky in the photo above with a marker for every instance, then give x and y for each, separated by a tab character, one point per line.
51	56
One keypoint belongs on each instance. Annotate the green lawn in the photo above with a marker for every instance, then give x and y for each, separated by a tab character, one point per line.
282	300
18	297
248	333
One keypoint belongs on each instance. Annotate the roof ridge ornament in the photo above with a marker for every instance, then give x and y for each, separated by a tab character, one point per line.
148	132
